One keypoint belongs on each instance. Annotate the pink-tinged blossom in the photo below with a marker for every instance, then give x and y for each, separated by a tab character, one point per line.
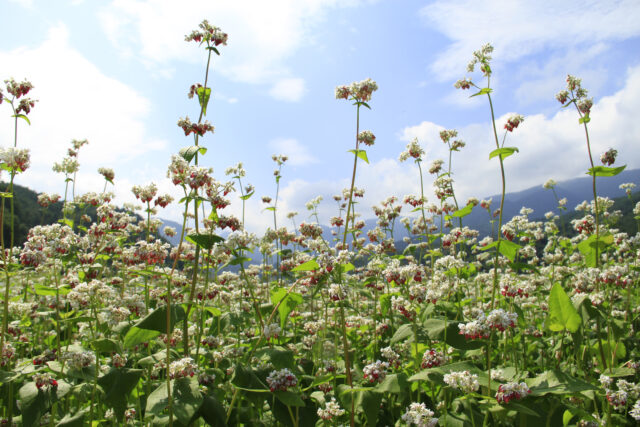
512	391
366	137
208	33
463	380
185	367
609	157
281	380
513	122
419	415
375	372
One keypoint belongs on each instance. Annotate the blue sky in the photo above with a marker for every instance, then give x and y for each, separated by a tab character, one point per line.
117	73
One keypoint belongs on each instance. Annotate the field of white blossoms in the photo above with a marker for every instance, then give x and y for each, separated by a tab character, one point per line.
104	323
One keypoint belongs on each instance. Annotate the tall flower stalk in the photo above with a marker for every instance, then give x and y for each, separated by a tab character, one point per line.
360	93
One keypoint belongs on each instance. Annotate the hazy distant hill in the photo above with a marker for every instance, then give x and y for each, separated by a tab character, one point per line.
537	198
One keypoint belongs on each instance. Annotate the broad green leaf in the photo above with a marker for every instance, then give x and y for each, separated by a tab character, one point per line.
556	382
239	260
66	222
278	356
106	345
205	241
35	402
6	195
213	412
503	152
483	91
153	325
394	383
136	336
361	154
76	420
403	332
365	401
585	119
188	153
307	266
461	213
605	171
288	302
23	117
562	314
186	399
289	398
117	384
203	98
509	249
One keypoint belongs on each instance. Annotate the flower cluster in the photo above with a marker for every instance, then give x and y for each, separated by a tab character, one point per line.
512	391
419	415
185	367
16	89
496	319
45	200
609	157
577	94
107	173
281	380
413	150
375	372
272	331
366	137
357	91
44	381
197	128
208	33
331	410
432	358
145	194
513	122
462	380
15	159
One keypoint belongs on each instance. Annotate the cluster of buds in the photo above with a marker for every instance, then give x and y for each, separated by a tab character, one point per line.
375	372
198	177
44	381
146	193
331	410
512	391
310	230
586	225
118	360
163	201
337	292
185	367
366	137
577	94
16	89
357	91
609	157
45	200
281	380
419	415
463	380
107	173
436	166
16	159
193	90
208	33
432	358
272	331
197	128
513	122
413	150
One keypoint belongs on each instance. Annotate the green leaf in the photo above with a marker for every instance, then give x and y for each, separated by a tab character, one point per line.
34	402
503	152
365	401
153	325
562	314
394	383
289	398
461	213
213	412
360	153
23	117
585	119
106	345
66	222
6	195
288	302
605	171
509	249
204	240
76	420
203	98
307	266
186	395
278	356
188	153
117	385
239	260
483	91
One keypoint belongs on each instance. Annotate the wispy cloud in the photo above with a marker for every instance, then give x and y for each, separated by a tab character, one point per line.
288	89
299	155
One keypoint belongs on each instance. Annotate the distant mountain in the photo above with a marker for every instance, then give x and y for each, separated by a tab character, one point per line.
537	198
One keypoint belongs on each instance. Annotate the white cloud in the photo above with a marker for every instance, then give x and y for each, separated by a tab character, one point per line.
298	154
289	89
77	101
518	28
261	34
550	147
